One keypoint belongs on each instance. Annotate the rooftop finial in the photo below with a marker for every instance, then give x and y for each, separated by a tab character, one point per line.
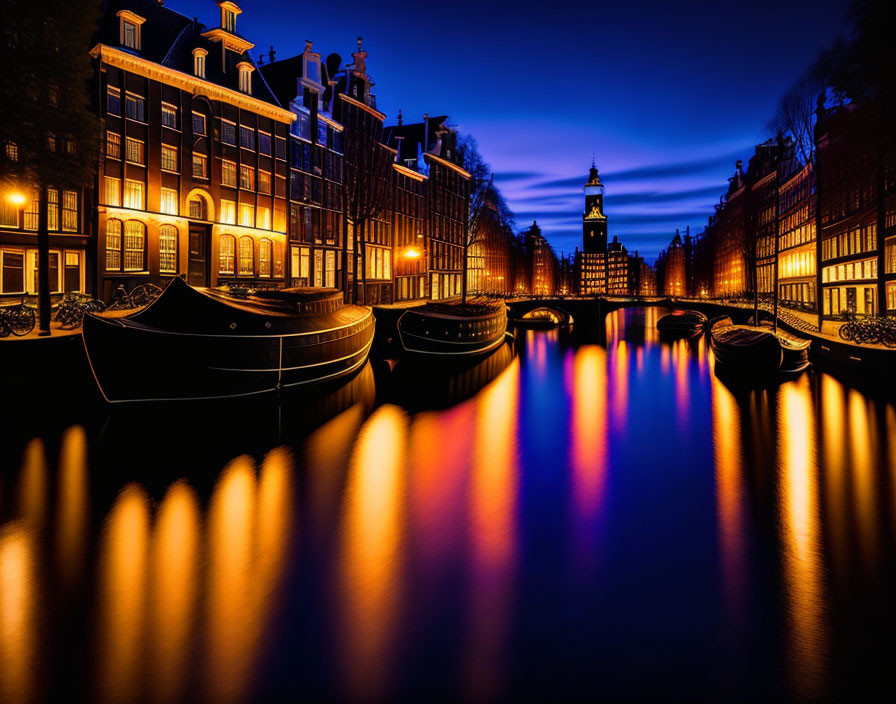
399	117
592	160
359	45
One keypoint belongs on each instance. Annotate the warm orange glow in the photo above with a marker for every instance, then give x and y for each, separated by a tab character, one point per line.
727	452
71	527
231	621
411	253
620	385
833	449
16	198
492	504
372	550
18	614
33	489
801	540
863	446
588	443
174	562
122	596
681	360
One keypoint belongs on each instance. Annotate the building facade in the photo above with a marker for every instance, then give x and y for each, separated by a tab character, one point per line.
191	181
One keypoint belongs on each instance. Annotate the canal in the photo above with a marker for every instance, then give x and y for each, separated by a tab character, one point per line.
590	516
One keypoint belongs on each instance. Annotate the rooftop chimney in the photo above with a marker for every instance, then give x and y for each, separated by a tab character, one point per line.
400	119
271	55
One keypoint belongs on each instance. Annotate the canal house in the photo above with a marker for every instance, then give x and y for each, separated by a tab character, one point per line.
193	171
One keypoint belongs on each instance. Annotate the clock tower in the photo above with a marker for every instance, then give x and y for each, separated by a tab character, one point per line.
594	222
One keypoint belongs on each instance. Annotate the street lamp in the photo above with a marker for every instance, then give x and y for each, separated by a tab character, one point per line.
412	253
16	198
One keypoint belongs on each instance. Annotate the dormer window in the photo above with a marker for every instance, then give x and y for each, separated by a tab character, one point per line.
129	29
229	11
245	69
199	62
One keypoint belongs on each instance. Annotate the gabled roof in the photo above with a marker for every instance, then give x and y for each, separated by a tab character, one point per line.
168	38
407	138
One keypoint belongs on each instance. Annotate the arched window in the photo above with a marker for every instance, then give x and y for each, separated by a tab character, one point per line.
265	255
199	62
168	249
245	69
198	211
113	245
134	242
247	256
227	255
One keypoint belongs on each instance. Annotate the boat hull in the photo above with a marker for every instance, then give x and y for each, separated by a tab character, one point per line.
133	362
749	356
451	336
684	324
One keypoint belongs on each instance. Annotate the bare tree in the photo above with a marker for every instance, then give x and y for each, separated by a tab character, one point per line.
795	114
367	189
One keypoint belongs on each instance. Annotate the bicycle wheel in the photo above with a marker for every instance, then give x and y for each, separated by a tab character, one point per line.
21	322
845	332
4	326
888	337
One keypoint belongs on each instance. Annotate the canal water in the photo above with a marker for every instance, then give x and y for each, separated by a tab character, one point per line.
587	514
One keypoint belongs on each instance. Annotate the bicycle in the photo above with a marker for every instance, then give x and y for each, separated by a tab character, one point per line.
70	312
140	296
18	320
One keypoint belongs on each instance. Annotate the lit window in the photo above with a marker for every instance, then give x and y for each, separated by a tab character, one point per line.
113	101
134	239
228	173
168	249
228	21
169	158
133	194
228	132
265	255
197	208
226	255
247	215
111	191
247	256
228	212
135	107
247	137
129	29
264	181
169	201
245	77
113	145
200	166
12	151
52	209
134	151
30	214
69	211
198	123
169	116
247	177
264	218
113	245
199	62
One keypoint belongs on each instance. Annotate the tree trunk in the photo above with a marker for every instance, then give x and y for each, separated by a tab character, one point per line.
43	261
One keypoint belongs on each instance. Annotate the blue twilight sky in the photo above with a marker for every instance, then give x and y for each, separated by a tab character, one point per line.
667	95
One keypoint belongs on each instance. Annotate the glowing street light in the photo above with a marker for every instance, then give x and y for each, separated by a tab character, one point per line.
412	253
16	198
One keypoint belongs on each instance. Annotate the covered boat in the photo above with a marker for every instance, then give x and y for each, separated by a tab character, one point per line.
195	343
755	352
453	330
682	322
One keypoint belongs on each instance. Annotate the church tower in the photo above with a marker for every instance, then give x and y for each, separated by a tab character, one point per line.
594	222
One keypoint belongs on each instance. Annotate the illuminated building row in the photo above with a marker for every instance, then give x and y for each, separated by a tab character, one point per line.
765	232
227	171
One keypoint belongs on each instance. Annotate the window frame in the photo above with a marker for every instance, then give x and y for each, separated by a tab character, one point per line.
174	195
164	231
170	109
241	267
229	255
162	161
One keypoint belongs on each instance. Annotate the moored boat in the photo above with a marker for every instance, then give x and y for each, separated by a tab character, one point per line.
453	330
195	343
682	322
756	352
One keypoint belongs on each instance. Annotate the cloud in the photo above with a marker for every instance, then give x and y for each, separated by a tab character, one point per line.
517	175
673	169
708	193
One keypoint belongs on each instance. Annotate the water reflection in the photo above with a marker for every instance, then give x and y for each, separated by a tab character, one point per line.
371	547
561	526
801	541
